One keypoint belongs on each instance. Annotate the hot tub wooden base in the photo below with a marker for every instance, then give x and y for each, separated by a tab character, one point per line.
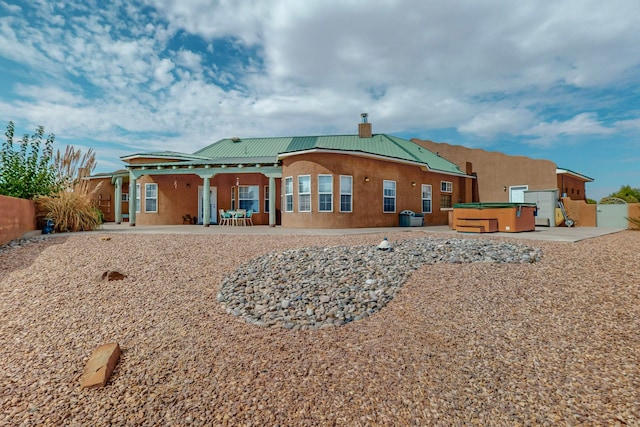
492	217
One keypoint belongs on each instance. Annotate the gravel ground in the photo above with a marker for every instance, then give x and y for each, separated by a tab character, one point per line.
554	342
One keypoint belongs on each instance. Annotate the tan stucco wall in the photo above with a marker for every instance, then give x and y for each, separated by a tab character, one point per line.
634	212
572	187
103	197
583	213
17	216
495	170
367	195
175	199
178	195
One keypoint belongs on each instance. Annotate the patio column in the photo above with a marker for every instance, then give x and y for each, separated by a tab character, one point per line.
132	200
272	201
118	200
206	202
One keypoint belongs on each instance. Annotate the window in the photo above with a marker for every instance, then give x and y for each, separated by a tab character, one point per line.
445	201
249	197
304	193
388	196
266	199
426	198
325	193
137	197
346	193
125	197
151	197
288	194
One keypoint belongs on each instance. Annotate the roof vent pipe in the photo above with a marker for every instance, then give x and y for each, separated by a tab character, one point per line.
364	128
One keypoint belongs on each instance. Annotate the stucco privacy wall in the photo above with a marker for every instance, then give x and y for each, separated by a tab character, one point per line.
103	195
583	213
496	171
17	216
634	212
367	194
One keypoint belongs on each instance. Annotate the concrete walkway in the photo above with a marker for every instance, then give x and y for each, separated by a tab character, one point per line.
559	234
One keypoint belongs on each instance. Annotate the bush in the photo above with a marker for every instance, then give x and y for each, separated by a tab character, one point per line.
70	211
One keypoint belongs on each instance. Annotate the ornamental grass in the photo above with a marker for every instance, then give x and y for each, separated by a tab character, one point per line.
69	211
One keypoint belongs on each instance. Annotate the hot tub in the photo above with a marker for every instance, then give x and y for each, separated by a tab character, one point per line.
491	217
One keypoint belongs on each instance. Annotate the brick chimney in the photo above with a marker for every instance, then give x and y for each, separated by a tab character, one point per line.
364	128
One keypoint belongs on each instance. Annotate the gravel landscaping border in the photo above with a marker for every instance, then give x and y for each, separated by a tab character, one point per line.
551	342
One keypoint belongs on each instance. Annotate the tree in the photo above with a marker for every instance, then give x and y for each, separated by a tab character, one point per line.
27	172
627	193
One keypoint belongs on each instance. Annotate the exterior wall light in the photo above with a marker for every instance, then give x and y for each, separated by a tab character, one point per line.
366	179
504	188
413	184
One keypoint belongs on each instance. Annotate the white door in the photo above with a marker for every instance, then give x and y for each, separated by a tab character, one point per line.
214	205
516	193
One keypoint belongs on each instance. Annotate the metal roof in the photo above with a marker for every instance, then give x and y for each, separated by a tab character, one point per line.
574	174
379	145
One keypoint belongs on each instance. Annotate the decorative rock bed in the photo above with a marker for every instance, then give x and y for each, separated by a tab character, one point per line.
319	287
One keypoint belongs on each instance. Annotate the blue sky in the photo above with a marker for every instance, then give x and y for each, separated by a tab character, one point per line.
557	79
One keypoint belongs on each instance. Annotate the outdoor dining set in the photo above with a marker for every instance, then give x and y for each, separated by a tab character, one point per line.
235	217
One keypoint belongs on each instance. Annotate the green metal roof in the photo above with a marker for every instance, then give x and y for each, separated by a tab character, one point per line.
379	144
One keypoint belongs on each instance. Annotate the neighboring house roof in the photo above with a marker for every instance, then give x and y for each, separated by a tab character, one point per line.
560	171
272	149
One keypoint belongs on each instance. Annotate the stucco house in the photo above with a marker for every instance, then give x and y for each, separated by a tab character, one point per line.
332	181
504	178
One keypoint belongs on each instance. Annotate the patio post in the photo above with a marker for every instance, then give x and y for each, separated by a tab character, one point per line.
118	200
206	202
272	201
133	199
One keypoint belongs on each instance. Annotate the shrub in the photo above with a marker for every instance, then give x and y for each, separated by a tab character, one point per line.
70	211
27	171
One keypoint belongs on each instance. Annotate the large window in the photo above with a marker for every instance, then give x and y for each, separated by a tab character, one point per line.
304	193
426	198
388	196
288	194
138	198
151	197
249	197
346	193
445	199
325	193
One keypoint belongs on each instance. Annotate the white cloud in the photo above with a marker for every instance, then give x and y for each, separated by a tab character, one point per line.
483	68
11	8
492	123
163	73
582	124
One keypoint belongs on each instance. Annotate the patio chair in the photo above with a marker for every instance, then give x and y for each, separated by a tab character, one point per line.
247	218
225	218
240	217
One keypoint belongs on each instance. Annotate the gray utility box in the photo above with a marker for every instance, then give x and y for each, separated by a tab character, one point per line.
411	219
546	201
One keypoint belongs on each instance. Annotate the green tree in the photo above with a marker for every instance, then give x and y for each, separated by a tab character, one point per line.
28	171
627	193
